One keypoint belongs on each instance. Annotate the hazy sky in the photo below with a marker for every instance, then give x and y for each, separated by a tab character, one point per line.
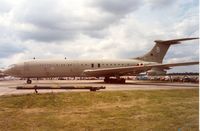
85	29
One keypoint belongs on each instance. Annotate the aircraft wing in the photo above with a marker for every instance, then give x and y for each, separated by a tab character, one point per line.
131	69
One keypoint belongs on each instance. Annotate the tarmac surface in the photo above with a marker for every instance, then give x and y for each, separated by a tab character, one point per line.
8	87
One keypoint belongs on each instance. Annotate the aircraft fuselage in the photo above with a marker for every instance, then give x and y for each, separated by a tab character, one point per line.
66	68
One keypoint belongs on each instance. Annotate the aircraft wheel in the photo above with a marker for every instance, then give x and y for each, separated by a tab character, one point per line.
123	81
28	81
107	80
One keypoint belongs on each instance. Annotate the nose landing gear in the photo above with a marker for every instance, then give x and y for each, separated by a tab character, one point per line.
29	81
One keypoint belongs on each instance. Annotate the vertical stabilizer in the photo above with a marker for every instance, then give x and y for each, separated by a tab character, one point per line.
160	49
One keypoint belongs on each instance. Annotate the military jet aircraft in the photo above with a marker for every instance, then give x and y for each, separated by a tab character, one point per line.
115	68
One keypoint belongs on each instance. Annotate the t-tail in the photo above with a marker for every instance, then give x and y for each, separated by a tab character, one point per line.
160	49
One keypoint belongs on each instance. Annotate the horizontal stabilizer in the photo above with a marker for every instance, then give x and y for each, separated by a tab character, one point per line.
174	41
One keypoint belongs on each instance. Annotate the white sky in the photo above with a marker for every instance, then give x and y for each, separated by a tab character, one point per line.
83	29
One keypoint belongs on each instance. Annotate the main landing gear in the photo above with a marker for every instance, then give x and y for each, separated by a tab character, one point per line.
115	81
29	81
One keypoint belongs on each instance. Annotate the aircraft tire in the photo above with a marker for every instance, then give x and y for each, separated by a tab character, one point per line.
115	81
28	81
122	81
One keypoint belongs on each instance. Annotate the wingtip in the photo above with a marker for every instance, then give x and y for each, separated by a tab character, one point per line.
191	38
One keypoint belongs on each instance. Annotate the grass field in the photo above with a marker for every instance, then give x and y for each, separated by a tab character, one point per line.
170	110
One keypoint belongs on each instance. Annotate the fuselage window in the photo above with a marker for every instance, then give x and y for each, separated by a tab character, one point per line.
98	65
92	65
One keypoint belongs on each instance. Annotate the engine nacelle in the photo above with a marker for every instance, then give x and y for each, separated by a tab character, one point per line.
156	71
